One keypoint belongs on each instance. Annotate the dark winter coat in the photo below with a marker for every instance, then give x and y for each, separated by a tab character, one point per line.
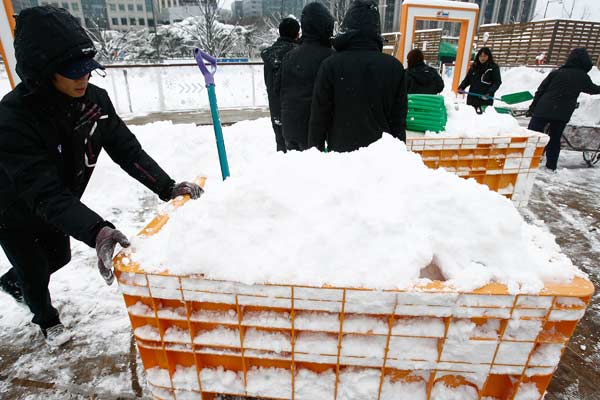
272	58
46	161
556	97
299	71
482	79
360	92
422	79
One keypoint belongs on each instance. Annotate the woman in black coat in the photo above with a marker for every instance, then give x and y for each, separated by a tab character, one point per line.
483	79
421	78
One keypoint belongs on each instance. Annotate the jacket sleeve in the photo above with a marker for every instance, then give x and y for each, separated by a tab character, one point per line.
466	82
590	87
123	148
321	112
408	83
25	160
541	90
275	108
399	109
496	81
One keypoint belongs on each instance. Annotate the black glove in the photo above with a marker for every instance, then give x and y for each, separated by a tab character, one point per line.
528	113
106	240
187	188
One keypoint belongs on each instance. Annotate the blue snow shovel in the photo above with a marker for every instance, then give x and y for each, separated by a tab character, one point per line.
209	79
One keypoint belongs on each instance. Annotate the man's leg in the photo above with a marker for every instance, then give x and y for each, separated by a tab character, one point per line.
33	262
279	136
555	130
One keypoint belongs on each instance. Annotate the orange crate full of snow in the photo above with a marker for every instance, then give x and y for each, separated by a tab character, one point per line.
199	338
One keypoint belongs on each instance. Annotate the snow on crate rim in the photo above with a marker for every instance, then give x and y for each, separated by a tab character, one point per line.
368	219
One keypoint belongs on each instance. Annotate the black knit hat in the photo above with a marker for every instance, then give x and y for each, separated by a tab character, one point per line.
289	28
362	15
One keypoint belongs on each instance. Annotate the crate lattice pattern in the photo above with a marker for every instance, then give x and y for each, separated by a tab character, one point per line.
507	165
198	338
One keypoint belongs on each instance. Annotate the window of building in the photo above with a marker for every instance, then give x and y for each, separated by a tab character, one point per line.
115	21
121	7
112	7
75	6
65	6
169	3
130	7
141	21
139	7
150	22
55	4
131	21
123	21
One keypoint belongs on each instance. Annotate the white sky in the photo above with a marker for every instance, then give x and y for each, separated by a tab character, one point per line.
583	9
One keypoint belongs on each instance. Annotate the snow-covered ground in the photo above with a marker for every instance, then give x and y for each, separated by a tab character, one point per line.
102	360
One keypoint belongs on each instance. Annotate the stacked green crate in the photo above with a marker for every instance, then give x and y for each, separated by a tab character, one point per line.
426	112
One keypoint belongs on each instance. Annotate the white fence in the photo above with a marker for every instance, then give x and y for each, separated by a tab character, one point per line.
142	89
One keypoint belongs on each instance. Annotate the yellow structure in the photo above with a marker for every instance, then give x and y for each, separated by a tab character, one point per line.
466	14
7	27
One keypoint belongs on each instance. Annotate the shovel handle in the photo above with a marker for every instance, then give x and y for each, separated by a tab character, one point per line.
481	95
209	75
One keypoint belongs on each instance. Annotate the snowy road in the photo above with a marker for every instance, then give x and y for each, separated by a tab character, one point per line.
102	362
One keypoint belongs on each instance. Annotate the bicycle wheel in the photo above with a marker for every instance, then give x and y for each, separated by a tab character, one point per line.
591	157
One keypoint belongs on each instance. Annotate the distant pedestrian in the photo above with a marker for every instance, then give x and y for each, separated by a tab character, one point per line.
556	100
483	79
360	92
299	71
272	56
421	78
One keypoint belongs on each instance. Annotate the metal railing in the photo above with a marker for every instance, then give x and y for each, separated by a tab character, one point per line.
149	88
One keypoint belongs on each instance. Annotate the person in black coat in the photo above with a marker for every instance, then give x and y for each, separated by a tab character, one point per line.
556	100
483	78
299	71
53	127
272	57
360	92
421	78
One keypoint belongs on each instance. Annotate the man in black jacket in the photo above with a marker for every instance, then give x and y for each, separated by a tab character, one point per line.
298	73
556	100
272	56
53	126
421	78
483	79
360	92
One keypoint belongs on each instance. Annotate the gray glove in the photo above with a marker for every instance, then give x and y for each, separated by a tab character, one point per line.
106	240
187	188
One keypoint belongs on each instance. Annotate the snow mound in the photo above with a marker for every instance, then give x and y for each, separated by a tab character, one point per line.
371	218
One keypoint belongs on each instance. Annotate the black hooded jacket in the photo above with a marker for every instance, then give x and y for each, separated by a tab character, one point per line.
272	57
46	160
299	71
422	79
360	92
556	97
482	79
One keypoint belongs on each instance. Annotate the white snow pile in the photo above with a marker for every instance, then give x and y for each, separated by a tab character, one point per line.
371	218
464	122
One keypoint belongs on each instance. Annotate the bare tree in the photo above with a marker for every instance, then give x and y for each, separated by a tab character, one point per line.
111	45
586	13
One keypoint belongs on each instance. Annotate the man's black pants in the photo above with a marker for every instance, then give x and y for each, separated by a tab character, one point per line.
554	129
34	257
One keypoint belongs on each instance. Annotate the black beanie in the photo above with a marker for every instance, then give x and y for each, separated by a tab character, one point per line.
362	15
289	28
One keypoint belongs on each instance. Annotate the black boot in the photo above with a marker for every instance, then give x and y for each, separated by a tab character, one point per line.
9	285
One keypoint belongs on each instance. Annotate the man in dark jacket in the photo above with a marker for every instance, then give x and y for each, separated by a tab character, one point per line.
53	126
483	78
272	56
556	100
298	73
421	78
360	92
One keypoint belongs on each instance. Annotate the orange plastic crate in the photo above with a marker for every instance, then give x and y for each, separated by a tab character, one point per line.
198	337
507	165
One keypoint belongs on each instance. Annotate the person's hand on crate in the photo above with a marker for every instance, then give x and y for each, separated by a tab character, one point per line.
106	240
187	188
